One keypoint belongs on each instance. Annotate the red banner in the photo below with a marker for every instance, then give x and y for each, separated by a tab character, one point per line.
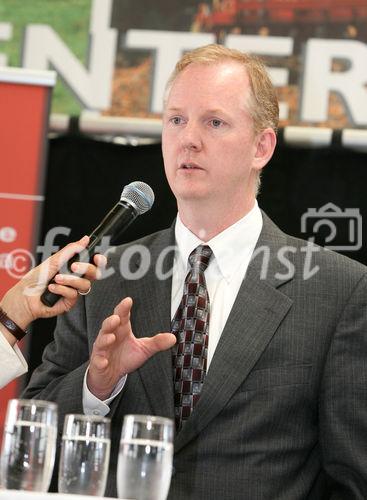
24	104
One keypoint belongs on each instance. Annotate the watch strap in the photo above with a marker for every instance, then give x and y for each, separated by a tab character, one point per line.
13	328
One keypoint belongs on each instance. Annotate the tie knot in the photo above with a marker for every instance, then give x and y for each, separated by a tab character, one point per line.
200	257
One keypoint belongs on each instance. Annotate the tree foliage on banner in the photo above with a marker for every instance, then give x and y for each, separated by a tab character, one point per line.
69	19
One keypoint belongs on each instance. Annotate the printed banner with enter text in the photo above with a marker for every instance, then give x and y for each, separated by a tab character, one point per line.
114	56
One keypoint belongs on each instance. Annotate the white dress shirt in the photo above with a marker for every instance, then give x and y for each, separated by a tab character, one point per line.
232	251
12	362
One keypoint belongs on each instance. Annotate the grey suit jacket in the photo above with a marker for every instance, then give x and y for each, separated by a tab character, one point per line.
283	411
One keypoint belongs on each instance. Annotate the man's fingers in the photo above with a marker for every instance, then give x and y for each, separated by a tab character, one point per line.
164	341
104	341
123	308
160	342
80	284
101	262
64	291
90	271
109	325
56	261
99	362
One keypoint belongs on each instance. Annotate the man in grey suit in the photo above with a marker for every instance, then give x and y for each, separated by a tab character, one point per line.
282	412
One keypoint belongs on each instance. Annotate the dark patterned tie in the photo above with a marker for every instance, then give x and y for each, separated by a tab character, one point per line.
190	325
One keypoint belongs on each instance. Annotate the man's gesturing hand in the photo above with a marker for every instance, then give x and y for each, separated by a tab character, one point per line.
116	351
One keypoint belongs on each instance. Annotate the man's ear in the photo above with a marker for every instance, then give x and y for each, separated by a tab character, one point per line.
265	144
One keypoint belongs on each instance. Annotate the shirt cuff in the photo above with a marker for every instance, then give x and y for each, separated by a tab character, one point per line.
12	361
93	405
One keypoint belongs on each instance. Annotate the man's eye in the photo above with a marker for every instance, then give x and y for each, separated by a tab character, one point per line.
216	123
176	120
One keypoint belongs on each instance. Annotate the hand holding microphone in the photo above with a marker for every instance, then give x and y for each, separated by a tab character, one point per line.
136	199
21	304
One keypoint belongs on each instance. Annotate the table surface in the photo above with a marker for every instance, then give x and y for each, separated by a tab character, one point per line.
28	495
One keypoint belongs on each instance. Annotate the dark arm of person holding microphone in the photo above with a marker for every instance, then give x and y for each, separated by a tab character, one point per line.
22	305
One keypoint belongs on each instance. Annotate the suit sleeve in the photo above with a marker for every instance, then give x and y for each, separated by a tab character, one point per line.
343	401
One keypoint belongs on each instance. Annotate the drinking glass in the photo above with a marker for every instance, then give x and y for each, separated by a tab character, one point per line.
29	444
85	455
145	458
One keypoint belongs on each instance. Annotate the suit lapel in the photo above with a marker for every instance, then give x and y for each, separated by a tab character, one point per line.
151	315
257	312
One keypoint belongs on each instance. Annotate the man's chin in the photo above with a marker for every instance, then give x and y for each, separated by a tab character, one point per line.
192	195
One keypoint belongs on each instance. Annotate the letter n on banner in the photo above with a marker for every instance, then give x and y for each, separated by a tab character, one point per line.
24	104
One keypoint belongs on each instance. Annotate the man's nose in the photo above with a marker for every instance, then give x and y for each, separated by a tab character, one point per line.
191	137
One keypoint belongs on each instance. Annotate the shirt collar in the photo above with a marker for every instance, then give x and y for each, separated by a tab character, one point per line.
229	247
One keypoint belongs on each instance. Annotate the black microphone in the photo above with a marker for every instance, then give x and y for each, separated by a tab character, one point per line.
136	199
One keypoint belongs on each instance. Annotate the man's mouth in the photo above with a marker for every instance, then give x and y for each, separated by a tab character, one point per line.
190	166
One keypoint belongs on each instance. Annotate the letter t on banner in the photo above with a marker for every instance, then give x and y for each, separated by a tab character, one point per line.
24	103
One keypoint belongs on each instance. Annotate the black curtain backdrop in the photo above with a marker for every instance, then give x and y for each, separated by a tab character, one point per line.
85	178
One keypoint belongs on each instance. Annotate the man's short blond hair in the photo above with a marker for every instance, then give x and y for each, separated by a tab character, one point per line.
263	103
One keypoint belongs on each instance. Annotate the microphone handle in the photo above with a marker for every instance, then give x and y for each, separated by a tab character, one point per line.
115	222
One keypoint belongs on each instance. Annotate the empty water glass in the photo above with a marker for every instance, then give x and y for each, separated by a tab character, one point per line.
145	458
85	455
29	443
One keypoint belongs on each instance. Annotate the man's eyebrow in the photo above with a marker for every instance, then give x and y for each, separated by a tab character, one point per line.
173	108
205	112
215	111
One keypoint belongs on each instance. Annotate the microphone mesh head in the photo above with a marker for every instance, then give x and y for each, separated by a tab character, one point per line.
140	195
